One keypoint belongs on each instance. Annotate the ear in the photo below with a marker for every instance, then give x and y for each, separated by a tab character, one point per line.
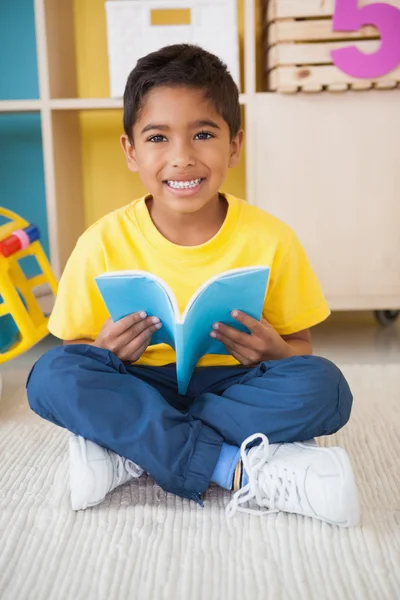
236	146
130	154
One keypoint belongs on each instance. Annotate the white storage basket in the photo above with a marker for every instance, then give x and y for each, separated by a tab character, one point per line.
131	34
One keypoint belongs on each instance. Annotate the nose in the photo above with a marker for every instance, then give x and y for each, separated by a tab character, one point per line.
182	155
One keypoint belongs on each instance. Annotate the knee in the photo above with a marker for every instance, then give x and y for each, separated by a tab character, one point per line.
63	370
330	388
52	375
345	401
43	378
318	388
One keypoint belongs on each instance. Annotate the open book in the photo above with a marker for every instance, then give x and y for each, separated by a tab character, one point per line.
126	292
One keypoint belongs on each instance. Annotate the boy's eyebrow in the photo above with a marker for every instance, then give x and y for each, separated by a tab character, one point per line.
205	123
200	123
152	126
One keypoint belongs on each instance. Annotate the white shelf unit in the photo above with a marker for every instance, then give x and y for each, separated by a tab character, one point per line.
15	106
70	104
326	164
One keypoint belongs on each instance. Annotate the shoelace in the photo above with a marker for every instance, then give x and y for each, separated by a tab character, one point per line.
122	465
132	468
272	487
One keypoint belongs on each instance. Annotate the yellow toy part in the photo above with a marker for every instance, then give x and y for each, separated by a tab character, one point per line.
20	312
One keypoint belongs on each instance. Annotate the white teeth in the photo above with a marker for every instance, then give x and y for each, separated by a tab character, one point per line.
183	185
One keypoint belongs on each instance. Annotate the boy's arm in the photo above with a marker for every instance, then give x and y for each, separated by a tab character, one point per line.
79	311
299	342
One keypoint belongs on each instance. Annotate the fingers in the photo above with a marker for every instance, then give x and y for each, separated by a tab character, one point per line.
246	348
248	356
135	348
243	355
234	336
139	331
116	338
252	324
128	321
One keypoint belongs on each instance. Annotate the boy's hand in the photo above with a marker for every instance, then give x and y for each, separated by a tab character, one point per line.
262	343
129	337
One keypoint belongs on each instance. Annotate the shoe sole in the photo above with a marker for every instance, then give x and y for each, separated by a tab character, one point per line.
350	491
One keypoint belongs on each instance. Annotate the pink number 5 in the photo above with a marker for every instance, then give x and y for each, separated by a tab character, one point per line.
348	17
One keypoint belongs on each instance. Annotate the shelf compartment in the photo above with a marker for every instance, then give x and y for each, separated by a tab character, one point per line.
68	182
19	77
22	187
61	51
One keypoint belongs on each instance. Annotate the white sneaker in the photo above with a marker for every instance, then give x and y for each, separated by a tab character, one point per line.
299	478
95	471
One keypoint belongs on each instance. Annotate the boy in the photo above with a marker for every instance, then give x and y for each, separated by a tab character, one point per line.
118	395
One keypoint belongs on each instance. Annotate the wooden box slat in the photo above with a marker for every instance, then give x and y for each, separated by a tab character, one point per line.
286	78
313	31
310	54
290	9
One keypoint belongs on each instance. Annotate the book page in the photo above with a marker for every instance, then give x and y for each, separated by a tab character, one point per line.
126	292
219	277
241	289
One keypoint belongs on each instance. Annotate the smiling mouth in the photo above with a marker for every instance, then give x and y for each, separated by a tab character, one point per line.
184	185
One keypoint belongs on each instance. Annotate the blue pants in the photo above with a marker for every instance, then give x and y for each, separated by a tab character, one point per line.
137	412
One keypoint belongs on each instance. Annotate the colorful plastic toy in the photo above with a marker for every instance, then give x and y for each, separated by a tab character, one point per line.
19	240
22	322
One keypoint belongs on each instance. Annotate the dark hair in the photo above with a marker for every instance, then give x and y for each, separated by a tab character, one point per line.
182	65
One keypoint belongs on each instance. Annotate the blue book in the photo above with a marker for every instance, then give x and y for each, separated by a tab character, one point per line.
126	292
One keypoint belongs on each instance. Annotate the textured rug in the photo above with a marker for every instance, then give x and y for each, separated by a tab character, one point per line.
146	544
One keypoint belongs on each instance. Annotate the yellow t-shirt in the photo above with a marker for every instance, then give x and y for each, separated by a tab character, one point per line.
128	239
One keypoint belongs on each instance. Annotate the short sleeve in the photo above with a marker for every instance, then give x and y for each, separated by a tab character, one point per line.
79	311
294	300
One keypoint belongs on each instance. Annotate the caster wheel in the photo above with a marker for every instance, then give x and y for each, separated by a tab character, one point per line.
386	317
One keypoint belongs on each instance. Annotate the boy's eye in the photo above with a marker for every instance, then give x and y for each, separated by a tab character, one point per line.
204	135
157	139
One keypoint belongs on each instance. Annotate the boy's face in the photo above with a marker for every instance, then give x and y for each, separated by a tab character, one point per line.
182	148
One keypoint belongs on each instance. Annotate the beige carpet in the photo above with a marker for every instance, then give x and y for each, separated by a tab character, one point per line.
142	543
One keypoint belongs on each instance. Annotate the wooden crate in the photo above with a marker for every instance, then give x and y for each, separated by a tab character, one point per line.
299	39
